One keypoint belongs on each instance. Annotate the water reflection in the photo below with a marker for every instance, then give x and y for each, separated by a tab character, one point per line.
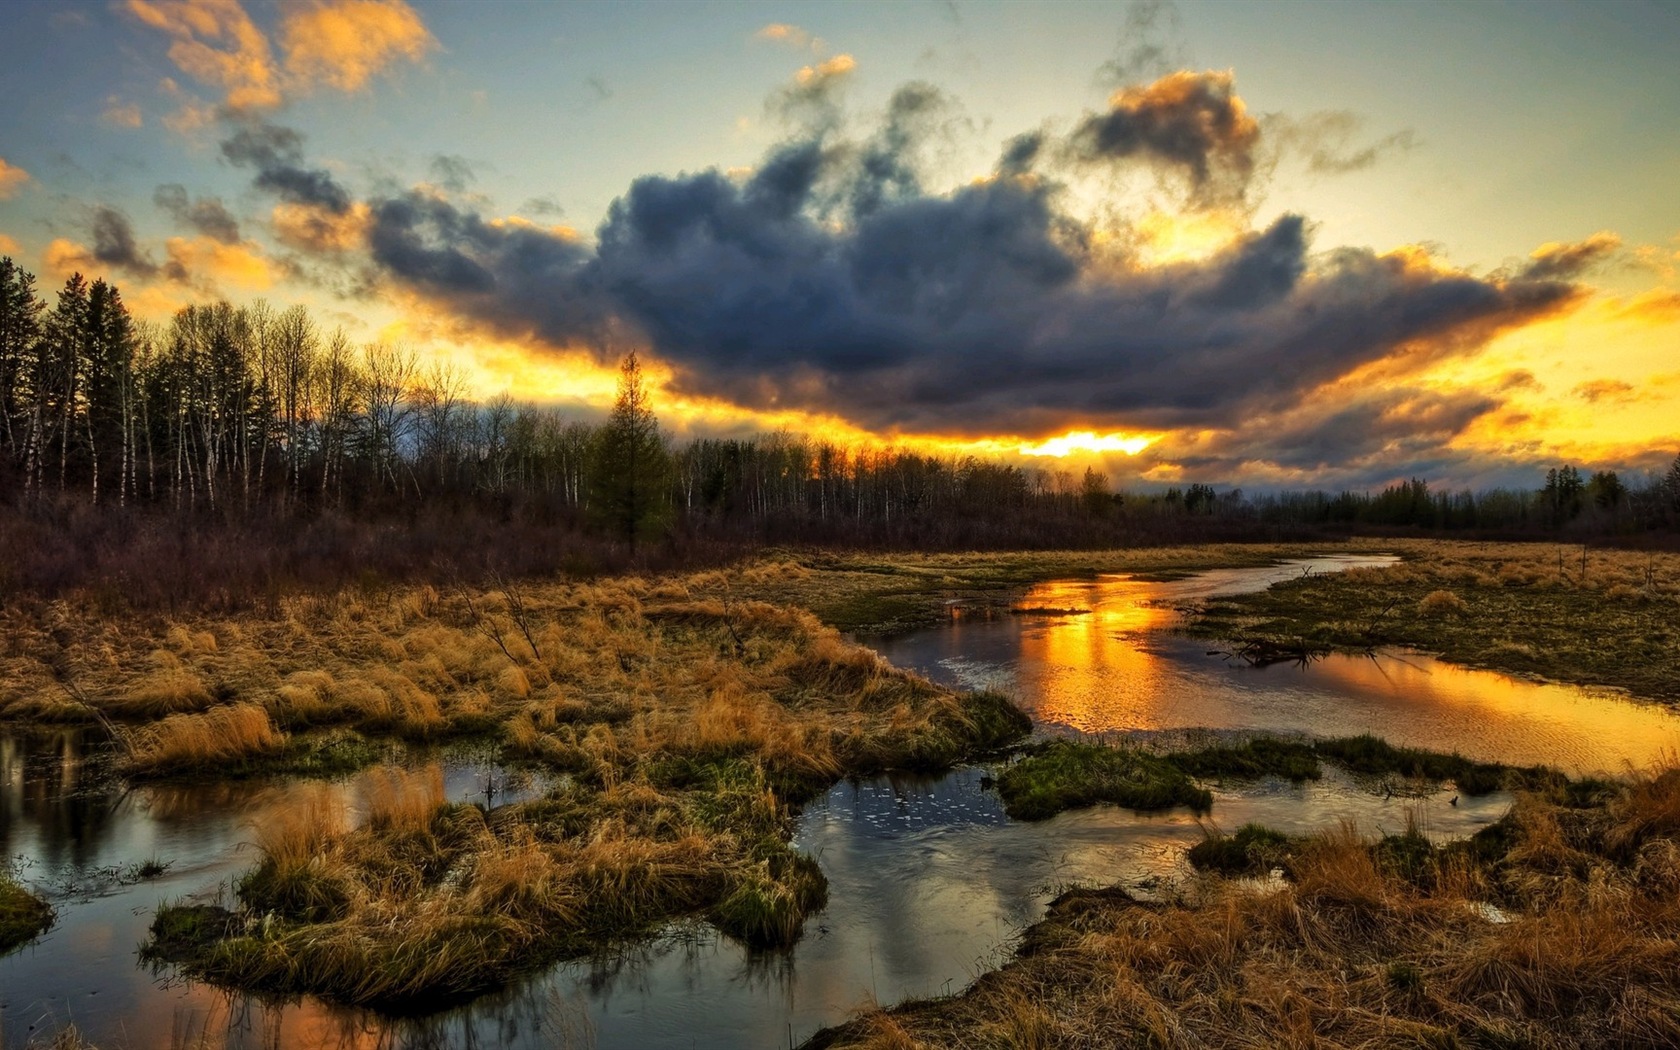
929	881
75	835
1114	669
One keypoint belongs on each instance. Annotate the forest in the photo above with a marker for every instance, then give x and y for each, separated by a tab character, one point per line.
238	451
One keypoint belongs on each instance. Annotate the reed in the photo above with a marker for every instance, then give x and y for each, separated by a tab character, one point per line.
1559	929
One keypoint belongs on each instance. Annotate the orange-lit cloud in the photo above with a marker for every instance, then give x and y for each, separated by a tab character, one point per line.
1613	391
11	177
9	246
337	43
212	265
791	35
64	257
345	44
1556	260
216	43
320	230
1191	121
120	114
827	71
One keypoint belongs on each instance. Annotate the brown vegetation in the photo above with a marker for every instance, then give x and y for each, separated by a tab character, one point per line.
683	726
1518	607
1557	927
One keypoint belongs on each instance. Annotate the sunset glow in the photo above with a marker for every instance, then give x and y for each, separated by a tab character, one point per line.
1158	250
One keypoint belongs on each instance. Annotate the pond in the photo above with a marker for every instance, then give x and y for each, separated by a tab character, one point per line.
929	880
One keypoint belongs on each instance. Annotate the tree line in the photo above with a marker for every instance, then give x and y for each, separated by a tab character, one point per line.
242	413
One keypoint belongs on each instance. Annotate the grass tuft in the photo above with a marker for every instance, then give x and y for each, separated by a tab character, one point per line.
1064	774
23	916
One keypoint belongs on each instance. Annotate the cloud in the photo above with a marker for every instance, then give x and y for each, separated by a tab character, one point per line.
453	173
11	177
344	44
210	265
114	244
812	99
831	277
64	257
791	35
277	154
340	44
216	43
1614	391
9	247
207	215
1188	121
979	311
319	231
1326	140
1147	44
1555	261
1377	429
120	114
487	270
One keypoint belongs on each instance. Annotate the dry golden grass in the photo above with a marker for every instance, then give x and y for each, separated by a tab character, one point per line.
222	735
687	727
1522	608
1557	928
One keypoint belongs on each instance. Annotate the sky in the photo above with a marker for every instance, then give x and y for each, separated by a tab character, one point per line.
1271	245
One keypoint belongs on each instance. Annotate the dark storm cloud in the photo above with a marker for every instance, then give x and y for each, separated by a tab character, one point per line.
978	311
832	280
114	244
1190	121
886	166
207	215
517	276
1391	426
277	155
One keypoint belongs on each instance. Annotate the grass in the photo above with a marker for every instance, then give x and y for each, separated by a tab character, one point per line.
1067	774
1518	608
1253	850
1064	774
23	916
880	594
682	732
1558	928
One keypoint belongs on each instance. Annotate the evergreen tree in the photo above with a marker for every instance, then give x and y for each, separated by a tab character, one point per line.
630	467
20	334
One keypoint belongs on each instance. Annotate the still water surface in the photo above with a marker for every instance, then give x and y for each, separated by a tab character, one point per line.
929	881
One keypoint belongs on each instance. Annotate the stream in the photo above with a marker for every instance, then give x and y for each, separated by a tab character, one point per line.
929	881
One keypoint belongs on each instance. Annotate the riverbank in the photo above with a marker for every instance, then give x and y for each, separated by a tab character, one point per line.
1556	927
886	594
1564	613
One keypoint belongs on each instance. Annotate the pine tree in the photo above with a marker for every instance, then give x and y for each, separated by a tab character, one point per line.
630	467
20	334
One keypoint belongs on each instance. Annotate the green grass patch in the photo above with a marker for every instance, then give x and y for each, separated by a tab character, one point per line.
1293	760
1254	850
1064	774
23	916
1373	756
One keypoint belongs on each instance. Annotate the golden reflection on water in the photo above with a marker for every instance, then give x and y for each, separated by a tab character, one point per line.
1113	669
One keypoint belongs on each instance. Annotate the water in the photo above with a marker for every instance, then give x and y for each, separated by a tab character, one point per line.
929	882
1114	669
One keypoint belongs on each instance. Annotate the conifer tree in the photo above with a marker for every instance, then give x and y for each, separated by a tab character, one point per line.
630	467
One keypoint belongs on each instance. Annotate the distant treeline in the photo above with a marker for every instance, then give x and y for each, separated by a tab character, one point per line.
134	454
